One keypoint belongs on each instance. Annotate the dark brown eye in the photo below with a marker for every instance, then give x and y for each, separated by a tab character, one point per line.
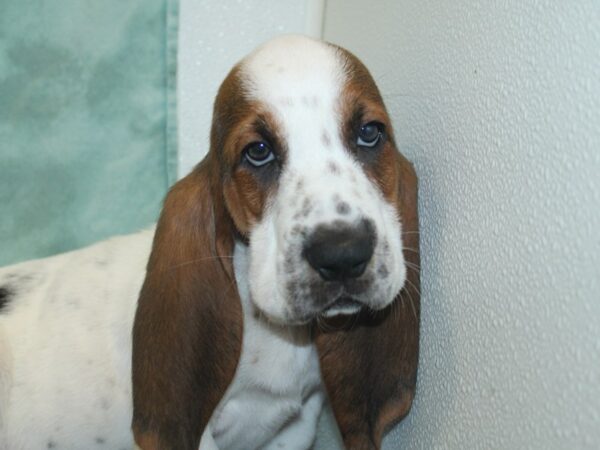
258	154
369	134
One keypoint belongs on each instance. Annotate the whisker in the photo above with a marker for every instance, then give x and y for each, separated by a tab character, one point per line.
411	265
348	324
310	326
413	286
396	308
198	260
354	319
231	285
317	322
412	304
410	249
322	325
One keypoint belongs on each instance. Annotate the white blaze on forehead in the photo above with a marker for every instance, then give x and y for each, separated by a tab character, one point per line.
293	67
299	80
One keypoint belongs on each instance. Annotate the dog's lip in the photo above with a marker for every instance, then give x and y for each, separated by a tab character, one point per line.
342	305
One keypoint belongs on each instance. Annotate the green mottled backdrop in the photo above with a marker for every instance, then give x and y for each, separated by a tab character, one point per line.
87	130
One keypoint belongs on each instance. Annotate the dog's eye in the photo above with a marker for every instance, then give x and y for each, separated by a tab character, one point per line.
258	154
369	134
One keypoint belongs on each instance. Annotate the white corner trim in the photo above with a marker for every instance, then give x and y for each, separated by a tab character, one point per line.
315	10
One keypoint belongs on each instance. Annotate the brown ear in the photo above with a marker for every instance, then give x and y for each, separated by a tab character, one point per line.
370	367
188	325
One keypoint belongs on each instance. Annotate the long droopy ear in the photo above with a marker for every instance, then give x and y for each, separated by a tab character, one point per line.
370	367
188	325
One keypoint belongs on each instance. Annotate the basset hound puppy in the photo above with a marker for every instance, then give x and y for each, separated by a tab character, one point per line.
283	272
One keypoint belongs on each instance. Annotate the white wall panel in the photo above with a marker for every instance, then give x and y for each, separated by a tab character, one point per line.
213	36
498	105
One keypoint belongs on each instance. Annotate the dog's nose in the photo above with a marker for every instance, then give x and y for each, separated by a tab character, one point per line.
340	251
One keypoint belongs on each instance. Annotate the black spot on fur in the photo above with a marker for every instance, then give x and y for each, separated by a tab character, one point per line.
342	208
298	230
386	246
306	207
51	444
5	296
383	271
305	210
288	265
100	440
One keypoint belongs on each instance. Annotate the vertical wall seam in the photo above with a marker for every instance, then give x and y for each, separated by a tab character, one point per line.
172	36
315	14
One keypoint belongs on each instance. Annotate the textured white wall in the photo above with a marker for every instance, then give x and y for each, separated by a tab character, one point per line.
213	36
498	104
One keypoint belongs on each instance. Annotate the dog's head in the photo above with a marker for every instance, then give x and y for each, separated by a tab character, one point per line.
303	168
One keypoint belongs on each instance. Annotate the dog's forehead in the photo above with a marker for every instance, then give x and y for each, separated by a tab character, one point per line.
294	68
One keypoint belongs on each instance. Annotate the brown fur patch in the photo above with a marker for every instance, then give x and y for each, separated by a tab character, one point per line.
246	199
370	369
188	326
361	103
238	122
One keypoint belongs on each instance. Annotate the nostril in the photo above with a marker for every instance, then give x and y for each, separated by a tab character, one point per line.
340	271
358	269
341	251
327	273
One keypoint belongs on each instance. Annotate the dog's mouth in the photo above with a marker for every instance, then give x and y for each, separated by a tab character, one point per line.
342	306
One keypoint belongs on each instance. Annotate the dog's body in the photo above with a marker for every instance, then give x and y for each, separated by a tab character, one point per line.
65	347
284	268
65	358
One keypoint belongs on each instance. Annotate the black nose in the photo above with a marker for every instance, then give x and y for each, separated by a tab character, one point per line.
340	251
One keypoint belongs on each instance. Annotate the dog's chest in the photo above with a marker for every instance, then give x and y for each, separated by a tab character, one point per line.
277	373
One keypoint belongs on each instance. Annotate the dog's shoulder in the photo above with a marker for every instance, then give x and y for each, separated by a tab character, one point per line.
65	338
112	263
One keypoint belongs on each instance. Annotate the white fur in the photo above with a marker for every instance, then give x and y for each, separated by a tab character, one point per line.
277	382
300	81
65	351
65	337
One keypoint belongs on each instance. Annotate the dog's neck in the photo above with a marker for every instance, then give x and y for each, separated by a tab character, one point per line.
278	361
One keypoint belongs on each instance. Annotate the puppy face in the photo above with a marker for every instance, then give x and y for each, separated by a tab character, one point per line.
310	178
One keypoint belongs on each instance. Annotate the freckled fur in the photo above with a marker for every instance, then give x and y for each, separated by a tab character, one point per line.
326	139
333	167
5	295
343	208
212	366
50	344
323	72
